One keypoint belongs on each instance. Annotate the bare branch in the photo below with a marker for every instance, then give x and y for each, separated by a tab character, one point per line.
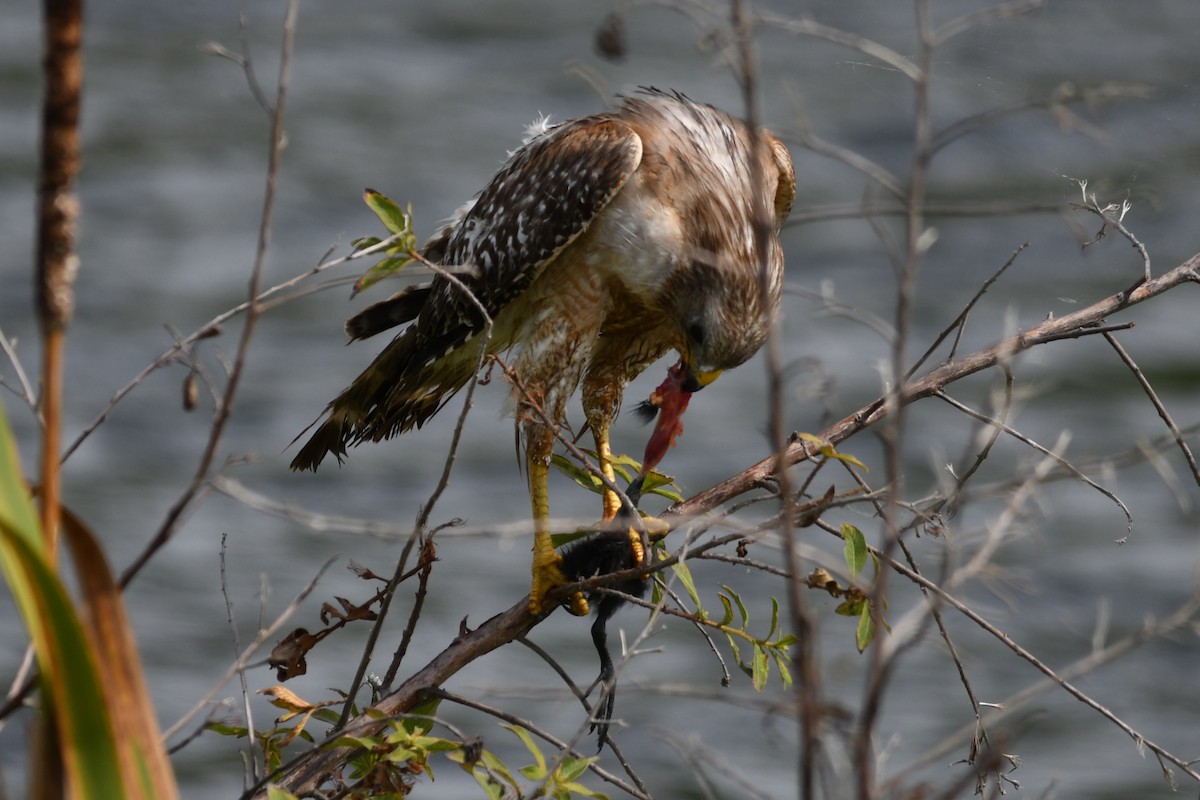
243	659
939	378
225	408
1158	404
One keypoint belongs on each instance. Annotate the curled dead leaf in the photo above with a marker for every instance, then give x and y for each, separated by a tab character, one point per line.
287	657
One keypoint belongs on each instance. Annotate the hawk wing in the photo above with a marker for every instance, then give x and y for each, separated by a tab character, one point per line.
545	196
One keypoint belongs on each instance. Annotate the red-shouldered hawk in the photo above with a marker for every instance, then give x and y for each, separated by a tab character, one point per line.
600	245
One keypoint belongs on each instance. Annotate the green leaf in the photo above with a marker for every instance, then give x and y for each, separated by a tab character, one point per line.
538	770
363	242
774	618
572	768
855	549
389	213
785	673
498	767
577	473
737	654
384	269
826	448
865	631
728	617
662	485
583	791
491	787
741	606
275	793
850	607
222	729
685	577
762	668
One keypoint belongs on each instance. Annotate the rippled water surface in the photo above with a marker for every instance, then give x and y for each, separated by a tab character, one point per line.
422	100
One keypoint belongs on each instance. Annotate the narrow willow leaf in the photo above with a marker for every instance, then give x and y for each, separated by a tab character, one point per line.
227	730
572	768
539	768
728	617
741	606
363	242
737	654
850	607
774	618
491	787
573	789
498	767
384	269
390	214
826	448
577	473
685	577
762	668
785	673
856	551
866	628
662	485
849	459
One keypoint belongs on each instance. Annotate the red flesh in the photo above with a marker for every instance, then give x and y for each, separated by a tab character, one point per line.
671	401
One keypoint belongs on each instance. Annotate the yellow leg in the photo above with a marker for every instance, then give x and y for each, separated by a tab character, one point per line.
612	503
547	572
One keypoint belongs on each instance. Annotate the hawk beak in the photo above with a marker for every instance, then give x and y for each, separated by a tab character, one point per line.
697	380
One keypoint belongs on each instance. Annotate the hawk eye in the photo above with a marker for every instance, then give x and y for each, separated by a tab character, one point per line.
696	333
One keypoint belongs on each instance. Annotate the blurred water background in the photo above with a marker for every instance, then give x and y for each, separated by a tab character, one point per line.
422	100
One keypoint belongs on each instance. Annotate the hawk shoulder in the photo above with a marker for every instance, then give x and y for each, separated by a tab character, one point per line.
541	201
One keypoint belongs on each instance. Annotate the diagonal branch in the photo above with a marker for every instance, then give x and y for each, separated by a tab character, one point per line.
1079	323
317	764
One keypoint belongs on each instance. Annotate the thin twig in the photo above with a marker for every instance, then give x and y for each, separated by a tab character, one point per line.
1184	616
960	322
422	521
918	239
1158	404
1062	462
225	408
213	328
26	393
983	17
810	27
1050	330
237	651
242	660
512	719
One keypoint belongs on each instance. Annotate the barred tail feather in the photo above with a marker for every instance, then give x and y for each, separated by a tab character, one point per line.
401	389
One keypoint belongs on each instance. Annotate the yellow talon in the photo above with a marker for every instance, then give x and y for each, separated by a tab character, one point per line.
547	574
655	529
547	569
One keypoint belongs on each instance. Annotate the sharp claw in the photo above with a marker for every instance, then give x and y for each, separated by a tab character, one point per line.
547	576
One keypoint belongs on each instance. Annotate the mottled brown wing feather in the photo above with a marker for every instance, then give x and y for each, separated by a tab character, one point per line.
543	198
540	201
402	307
